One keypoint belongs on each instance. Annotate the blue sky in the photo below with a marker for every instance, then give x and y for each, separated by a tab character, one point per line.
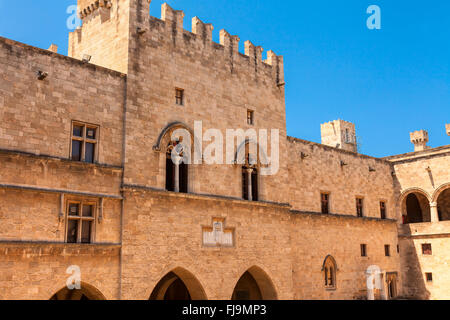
389	81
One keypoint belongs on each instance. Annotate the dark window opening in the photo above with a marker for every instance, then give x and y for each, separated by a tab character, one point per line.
429	276
383	209
325	205
387	250
359	207
363	250
426	249
179	97
84	142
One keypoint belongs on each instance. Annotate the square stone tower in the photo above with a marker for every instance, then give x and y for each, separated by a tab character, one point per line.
447	128
419	139
339	134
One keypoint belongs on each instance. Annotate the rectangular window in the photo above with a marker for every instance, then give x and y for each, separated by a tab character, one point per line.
84	142
426	249
363	250
325	204
250	117
179	96
359	207
387	250
429	276
383	209
80	221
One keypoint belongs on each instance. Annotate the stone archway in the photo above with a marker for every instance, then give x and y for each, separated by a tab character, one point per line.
415	207
254	284
443	204
87	292
178	284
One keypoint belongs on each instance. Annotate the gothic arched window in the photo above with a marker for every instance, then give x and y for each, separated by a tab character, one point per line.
250	178
176	169
329	272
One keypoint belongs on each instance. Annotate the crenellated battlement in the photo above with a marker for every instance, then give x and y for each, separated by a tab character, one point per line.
109	26
172	23
87	7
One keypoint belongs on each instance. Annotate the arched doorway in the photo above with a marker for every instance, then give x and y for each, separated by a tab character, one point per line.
443	205
178	284
87	292
254	284
416	208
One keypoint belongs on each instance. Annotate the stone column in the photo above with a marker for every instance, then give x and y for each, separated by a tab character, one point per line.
177	161
434	212
249	179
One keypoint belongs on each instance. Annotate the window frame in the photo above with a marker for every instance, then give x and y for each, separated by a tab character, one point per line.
181	98
251	119
81	203
357	199
328	194
363	248
84	140
427	252
387	250
329	271
383	206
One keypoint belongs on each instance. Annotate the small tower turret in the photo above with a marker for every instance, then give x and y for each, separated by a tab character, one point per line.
339	134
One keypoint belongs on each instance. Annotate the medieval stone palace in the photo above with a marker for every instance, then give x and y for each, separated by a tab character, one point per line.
92	205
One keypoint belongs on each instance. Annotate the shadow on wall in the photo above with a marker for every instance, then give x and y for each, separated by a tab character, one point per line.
413	277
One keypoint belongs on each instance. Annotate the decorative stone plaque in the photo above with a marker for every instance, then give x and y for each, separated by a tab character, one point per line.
218	235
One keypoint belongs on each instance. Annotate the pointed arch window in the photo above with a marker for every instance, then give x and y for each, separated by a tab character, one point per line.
176	170
250	178
329	272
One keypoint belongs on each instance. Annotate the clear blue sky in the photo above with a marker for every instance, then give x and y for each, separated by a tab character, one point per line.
389	81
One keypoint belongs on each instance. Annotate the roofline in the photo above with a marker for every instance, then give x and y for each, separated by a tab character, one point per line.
293	139
62	57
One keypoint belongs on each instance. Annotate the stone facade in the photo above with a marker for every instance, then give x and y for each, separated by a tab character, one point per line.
145	239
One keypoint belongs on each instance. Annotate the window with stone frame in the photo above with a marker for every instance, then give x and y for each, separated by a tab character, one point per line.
363	250
250	117
329	273
80	221
84	142
387	250
179	96
426	249
250	177
383	209
325	203
177	174
360	207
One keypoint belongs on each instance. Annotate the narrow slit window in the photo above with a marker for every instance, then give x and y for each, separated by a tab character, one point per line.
325	203
359	207
383	209
179	96
387	250
250	117
363	250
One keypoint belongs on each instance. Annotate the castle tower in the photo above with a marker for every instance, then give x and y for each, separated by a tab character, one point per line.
447	128
419	139
339	134
107	27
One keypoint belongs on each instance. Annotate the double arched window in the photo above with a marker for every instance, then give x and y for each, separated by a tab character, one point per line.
250	178
176	168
